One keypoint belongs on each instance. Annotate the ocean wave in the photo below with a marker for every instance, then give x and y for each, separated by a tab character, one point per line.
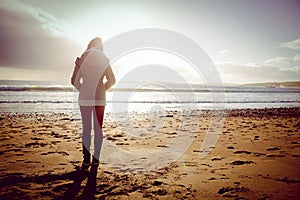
34	88
214	90
149	102
34	102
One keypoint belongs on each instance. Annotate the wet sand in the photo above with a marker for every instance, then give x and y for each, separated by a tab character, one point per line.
256	157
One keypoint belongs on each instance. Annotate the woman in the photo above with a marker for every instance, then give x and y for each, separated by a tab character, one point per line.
88	78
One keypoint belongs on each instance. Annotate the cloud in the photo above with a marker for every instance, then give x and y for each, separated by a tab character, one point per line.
295	44
284	61
223	53
47	21
246	73
33	39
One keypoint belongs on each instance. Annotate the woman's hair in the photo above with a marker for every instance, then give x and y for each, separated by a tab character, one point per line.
94	42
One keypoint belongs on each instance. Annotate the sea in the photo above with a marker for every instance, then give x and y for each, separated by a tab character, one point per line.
58	97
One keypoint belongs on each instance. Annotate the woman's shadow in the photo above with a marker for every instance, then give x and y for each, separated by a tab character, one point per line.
65	191
89	190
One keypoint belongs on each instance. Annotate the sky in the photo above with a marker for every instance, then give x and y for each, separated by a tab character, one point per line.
248	41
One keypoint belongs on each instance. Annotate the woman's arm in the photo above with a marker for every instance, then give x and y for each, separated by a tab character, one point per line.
75	80
76	76
111	80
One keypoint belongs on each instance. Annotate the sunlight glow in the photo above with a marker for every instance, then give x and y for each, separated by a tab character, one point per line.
129	62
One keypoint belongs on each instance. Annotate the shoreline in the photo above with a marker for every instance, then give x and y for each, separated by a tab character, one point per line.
281	111
255	157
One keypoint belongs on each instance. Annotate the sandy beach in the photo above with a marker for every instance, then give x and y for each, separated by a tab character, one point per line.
256	157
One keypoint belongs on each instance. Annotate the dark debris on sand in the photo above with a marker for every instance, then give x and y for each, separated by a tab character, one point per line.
264	112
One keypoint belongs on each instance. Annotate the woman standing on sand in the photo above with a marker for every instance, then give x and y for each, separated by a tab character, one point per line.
89	72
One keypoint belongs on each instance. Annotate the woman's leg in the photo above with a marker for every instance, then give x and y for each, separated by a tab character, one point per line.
98	134
86	116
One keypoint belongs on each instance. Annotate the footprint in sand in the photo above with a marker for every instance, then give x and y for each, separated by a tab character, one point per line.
19	154
232	190
275	156
222	168
241	162
273	148
217	159
47	153
35	144
242	152
29	161
35	138
258	154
